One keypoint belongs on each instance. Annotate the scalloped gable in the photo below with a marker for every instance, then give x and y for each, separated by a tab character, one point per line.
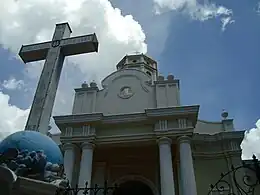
125	91
110	79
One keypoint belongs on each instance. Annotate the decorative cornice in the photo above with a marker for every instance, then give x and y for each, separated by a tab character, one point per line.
175	81
184	139
223	144
170	111
218	136
78	118
69	146
113	139
88	89
210	122
215	155
187	111
164	140
87	145
128	118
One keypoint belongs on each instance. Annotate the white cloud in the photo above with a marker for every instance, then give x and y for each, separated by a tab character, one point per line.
197	11
250	141
12	84
258	8
11	117
225	21
31	21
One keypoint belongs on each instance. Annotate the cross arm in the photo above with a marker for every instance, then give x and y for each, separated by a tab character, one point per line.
79	45
34	52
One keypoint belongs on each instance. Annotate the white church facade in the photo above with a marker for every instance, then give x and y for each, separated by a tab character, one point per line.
135	132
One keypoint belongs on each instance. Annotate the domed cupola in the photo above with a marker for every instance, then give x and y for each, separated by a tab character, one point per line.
141	62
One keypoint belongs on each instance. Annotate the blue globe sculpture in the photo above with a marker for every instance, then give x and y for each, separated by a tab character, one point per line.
33	141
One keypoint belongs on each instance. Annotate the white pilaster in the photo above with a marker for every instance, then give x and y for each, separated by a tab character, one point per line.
188	182
69	160
86	164
166	170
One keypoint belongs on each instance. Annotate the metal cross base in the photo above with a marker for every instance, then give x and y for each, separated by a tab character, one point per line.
74	191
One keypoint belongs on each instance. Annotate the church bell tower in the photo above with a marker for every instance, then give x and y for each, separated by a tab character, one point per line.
140	62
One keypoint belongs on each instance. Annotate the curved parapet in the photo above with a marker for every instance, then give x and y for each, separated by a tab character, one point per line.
207	127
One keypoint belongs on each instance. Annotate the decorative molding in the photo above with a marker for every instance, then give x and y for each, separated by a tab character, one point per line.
170	111
88	130
78	118
163	125
182	122
68	131
78	90
87	145
210	122
175	81
219	136
85	130
115	119
125	92
128	138
220	145
138	74
68	146
184	139
164	140
215	155
191	112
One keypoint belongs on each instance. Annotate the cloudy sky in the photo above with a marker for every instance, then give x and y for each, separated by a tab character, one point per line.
211	46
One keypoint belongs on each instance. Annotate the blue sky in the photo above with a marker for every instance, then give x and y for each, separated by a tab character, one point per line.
217	69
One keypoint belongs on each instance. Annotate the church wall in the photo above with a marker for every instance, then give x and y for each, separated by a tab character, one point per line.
161	96
173	95
213	155
109	100
207	171
163	93
166	94
84	101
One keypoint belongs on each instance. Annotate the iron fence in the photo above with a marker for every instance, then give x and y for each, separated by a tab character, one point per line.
241	180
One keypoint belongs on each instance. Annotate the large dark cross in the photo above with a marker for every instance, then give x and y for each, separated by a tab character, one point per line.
53	52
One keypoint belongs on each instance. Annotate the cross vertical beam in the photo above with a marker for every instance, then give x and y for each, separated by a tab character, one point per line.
54	53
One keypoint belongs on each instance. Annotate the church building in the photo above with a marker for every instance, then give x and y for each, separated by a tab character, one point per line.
133	131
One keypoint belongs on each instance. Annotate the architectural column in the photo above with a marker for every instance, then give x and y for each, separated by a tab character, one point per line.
69	160
188	182
86	164
166	170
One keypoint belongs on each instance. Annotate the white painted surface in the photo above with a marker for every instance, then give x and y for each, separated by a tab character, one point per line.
188	182
69	160
86	165
166	170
